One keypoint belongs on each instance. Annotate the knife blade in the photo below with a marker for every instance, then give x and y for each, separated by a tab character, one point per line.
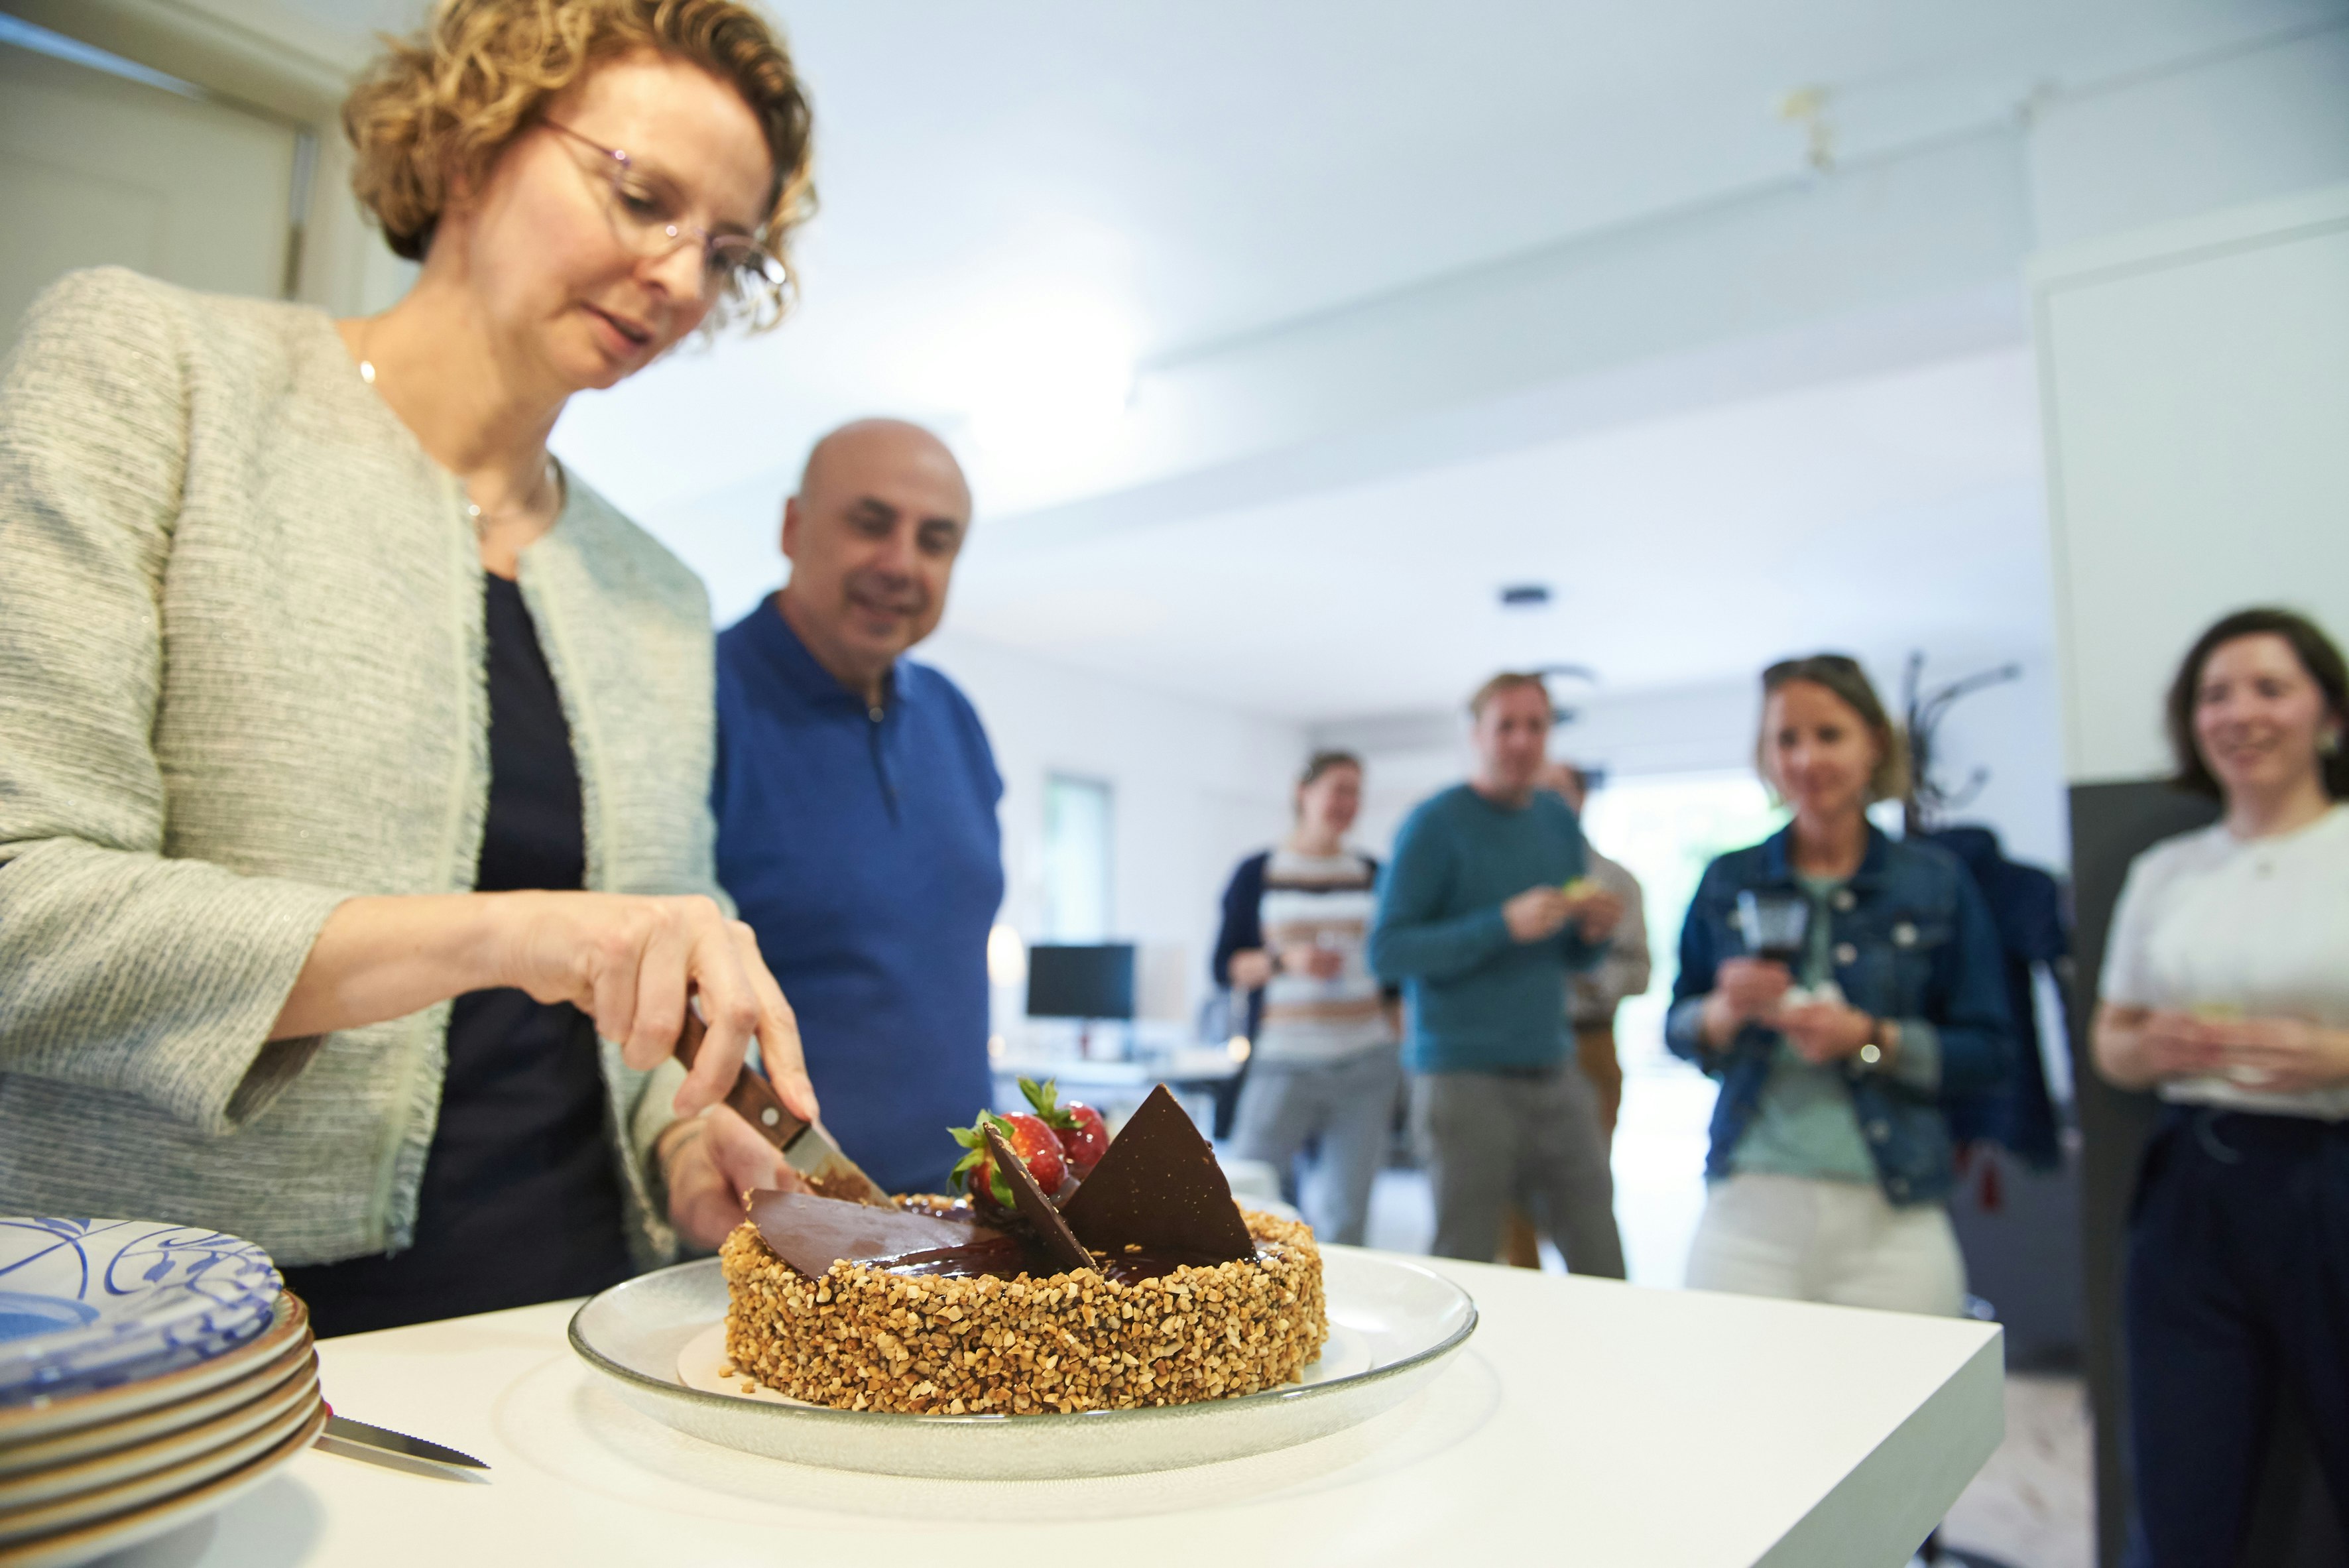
401	1443
805	1146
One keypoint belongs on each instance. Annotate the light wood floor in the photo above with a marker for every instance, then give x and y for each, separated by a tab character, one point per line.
2030	1507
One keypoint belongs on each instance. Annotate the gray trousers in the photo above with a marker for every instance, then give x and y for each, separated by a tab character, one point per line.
1491	1139
1348	1105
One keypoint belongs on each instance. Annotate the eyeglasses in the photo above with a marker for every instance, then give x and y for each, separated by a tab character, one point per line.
643	210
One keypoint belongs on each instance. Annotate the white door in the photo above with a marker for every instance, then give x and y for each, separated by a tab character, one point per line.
97	169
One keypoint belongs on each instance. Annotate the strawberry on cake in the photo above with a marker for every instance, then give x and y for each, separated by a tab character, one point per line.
1076	1273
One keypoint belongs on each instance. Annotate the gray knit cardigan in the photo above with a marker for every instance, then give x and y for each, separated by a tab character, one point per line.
241	678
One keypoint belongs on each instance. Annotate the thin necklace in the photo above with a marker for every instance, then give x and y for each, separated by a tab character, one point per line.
550	474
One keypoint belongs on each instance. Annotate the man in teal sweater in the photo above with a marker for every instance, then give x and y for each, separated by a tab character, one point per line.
1483	912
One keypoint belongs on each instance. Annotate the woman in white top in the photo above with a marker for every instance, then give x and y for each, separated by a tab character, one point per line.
2226	991
1325	1067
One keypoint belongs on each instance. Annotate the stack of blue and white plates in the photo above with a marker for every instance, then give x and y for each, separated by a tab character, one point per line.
149	1374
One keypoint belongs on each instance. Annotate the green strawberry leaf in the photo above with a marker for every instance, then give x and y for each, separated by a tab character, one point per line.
1046	1099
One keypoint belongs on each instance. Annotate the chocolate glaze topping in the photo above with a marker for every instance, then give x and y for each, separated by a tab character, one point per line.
1157	1202
811	1234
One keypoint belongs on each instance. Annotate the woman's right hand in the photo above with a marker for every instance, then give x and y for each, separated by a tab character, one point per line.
630	963
1744	989
1250	969
2178	1045
2136	1047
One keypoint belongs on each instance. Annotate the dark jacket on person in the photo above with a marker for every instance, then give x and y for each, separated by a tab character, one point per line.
2028	911
1913	943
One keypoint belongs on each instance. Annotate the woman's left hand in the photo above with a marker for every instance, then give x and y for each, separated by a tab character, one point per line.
1823	1032
2284	1055
708	1162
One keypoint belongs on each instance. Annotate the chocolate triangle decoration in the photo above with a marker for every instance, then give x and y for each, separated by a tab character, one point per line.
1159	1189
811	1234
1060	1246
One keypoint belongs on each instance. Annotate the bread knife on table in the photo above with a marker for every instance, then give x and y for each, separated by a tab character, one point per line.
805	1146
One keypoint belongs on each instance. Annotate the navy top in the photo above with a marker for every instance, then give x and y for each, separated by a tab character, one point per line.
1480	1000
1912	943
861	844
520	1200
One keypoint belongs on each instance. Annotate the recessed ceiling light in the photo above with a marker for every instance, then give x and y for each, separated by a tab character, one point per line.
1525	595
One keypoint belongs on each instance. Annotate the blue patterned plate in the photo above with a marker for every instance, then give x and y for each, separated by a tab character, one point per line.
85	1302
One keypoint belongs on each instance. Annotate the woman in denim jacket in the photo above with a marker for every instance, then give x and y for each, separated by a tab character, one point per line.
1831	1155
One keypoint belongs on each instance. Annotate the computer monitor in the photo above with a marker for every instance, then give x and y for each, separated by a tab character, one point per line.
1088	982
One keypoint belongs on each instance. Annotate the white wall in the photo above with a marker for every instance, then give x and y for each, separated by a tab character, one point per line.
2243	127
2197	392
1195	787
2191	308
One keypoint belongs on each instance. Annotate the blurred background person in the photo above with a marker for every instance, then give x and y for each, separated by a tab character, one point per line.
1831	1154
1475	919
855	795
327	696
1324	1067
2226	991
1592	995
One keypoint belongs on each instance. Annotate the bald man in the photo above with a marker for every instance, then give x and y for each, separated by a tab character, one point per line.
855	799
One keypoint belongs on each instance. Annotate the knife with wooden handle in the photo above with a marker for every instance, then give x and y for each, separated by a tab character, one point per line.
805	1146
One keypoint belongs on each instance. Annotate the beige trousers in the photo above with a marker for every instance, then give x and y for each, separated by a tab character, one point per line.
1804	1239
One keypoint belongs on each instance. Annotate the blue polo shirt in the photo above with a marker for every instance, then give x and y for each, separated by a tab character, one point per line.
862	846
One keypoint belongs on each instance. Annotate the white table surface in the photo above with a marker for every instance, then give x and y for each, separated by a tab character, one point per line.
1585	1422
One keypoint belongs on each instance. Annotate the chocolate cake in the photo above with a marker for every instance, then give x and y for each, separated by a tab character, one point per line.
1144	1284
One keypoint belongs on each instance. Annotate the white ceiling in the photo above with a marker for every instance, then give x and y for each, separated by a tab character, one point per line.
1023	193
1874	515
1031	200
1028	192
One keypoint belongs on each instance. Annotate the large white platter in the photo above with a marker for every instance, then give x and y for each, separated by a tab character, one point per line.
1394	1323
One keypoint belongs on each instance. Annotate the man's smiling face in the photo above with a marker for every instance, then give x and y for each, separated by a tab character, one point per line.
873	536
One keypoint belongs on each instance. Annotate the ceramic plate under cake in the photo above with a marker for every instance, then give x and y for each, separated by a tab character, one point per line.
1393	1325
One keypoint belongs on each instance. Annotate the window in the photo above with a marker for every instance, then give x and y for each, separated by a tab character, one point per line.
1664	830
1077	824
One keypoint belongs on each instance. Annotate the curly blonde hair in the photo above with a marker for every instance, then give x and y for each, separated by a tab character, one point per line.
436	110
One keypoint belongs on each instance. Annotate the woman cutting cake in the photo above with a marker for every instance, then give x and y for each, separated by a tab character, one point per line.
354	864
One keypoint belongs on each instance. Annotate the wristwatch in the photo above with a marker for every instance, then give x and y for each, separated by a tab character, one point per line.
1883	1039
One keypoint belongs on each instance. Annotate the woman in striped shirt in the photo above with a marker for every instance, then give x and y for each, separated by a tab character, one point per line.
1324	1067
